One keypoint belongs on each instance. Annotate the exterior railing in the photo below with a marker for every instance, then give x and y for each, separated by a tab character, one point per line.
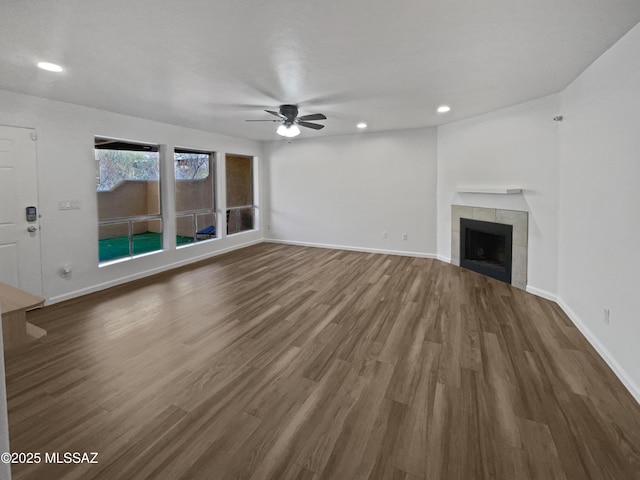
201	221
240	219
121	227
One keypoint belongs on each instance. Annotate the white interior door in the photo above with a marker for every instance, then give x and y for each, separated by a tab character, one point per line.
20	262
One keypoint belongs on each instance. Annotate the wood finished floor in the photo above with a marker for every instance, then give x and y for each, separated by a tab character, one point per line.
281	362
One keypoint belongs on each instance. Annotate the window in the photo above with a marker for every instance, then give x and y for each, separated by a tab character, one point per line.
195	196
240	201
128	190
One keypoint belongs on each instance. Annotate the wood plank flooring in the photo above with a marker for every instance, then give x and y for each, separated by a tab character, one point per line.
282	362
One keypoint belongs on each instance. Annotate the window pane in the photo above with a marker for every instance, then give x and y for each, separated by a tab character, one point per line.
194	181
147	236
128	188
113	241
127	183
205	226
184	229
195	196
239	219
239	181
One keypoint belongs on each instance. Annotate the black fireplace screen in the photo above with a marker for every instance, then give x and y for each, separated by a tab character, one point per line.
485	247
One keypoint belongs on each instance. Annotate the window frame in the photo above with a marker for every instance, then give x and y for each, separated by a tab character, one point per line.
135	146
213	159
253	205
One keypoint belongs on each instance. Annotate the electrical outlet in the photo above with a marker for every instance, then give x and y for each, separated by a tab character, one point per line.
605	317
405	236
65	271
385	235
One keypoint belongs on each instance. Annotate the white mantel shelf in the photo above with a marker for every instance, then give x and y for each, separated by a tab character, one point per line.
496	191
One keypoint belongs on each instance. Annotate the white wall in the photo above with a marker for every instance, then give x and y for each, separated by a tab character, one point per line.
345	191
66	169
600	204
513	147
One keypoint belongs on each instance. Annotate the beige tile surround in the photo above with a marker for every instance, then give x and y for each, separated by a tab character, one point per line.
518	219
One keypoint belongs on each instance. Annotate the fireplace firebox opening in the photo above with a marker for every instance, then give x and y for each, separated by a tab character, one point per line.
486	247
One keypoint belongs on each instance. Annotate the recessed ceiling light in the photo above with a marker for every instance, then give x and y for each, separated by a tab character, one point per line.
362	125
50	67
444	108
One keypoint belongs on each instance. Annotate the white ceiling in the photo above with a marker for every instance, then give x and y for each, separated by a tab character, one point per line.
211	64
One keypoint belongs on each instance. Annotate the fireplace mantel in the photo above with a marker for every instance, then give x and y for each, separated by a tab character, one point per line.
495	191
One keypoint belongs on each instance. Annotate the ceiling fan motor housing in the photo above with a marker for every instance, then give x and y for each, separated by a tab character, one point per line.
289	111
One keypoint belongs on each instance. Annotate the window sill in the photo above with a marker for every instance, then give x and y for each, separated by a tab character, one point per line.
108	263
244	232
193	244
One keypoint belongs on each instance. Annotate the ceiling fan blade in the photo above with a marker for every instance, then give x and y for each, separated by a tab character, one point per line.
315	126
262	120
313	116
275	113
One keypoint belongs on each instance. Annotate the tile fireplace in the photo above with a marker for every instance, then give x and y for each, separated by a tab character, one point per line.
491	241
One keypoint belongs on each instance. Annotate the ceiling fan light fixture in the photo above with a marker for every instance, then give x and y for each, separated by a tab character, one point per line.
288	131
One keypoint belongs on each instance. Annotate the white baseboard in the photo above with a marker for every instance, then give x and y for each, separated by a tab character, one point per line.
444	259
620	372
350	248
542	293
146	273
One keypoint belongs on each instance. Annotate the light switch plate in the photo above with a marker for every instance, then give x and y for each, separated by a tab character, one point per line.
69	205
